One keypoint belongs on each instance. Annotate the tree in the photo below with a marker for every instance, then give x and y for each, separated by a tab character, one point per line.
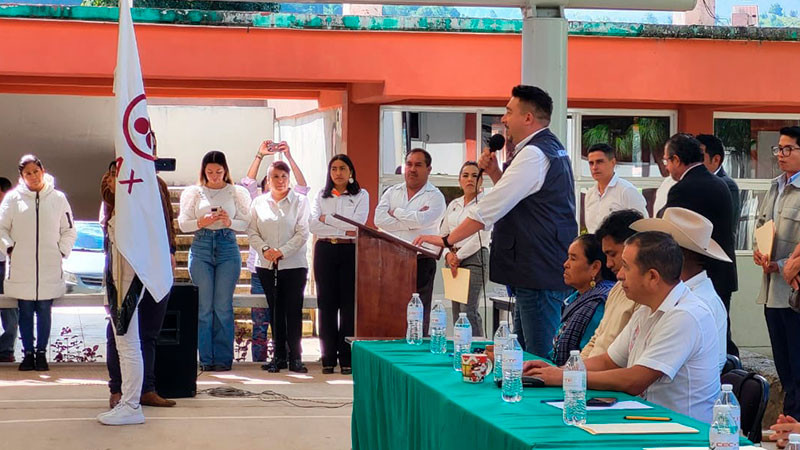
650	18
776	9
207	5
793	13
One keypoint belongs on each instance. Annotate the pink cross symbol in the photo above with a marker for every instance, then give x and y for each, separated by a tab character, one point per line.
131	181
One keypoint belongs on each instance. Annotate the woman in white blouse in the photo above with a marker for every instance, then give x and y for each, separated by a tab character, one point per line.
215	210
278	233
335	259
471	253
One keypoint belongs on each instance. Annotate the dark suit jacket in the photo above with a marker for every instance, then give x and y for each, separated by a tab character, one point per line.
708	195
737	201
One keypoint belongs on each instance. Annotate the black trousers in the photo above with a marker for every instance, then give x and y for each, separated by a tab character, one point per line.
335	272
286	307
783	325
732	349
426	273
151	318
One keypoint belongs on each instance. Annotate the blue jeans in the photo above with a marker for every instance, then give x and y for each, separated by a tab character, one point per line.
214	266
537	313
42	309
260	317
9	317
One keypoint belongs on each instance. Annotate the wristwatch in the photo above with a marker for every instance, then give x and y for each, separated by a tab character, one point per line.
447	245
265	248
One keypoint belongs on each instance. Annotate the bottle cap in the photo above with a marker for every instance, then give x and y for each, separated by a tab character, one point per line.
415	294
727	387
574	352
462	315
503	322
794	438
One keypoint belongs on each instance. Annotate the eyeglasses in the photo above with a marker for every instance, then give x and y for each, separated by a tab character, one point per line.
667	160
786	150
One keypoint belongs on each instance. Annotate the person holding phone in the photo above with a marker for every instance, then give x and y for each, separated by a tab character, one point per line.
261	316
215	210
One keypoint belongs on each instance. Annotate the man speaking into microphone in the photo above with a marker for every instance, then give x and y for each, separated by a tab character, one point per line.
532	210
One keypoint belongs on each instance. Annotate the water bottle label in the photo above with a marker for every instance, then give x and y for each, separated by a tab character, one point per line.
512	360
498	349
574	380
414	314
462	336
438	320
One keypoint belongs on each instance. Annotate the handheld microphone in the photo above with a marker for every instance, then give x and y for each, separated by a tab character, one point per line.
496	142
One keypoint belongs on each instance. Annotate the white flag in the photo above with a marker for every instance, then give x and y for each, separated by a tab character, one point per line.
140	229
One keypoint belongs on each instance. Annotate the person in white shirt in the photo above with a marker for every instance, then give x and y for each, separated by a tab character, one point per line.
667	354
693	233
214	211
278	232
662	192
471	253
411	209
8	316
335	259
260	316
610	193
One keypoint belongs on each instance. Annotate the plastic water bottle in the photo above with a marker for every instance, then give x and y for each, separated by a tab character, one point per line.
414	314
462	339
794	442
574	382
724	433
726	397
438	328
500	341
511	391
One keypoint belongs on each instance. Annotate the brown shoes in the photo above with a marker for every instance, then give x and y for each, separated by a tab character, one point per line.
153	399
114	399
147	399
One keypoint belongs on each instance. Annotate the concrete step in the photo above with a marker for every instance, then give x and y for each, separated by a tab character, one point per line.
184	241
182	257
182	274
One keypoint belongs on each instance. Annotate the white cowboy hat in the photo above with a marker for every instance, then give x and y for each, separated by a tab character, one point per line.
691	230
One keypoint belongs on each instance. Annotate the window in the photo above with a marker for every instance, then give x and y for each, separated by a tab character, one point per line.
747	139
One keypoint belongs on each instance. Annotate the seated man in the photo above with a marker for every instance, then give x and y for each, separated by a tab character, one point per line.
667	354
693	233
613	232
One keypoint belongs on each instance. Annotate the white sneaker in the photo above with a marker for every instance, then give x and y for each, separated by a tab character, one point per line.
122	414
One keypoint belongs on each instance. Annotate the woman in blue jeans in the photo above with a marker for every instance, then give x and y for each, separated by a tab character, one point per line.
215	210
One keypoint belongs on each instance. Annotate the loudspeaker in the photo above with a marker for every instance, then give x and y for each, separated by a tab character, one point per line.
176	348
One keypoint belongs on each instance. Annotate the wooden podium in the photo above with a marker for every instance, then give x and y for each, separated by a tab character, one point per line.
386	276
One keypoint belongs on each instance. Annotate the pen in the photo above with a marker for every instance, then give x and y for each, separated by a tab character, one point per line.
660	419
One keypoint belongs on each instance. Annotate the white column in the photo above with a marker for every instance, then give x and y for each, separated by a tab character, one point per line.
544	59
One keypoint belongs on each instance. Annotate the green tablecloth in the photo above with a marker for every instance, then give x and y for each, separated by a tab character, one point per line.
407	398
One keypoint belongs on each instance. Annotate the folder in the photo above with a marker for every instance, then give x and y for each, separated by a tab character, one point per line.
456	289
765	236
638	428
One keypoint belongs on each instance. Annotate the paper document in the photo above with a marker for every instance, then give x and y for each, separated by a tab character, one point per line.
627	404
456	289
746	447
765	236
638	428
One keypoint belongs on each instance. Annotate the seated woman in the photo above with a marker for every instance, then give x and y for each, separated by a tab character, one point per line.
586	271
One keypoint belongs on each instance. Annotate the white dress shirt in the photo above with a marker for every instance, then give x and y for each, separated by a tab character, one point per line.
409	221
661	194
679	339
619	194
281	225
703	289
354	207
455	214
197	201
523	177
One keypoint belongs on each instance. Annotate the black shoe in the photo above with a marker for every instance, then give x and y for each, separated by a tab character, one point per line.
27	362
207	368
297	366
41	361
327	370
347	370
221	368
275	365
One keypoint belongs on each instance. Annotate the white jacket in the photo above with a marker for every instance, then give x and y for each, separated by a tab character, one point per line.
40	228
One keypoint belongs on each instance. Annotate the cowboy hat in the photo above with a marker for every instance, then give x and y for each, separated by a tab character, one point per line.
691	230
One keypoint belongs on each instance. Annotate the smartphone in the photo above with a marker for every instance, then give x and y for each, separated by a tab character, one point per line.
215	209
532	382
165	164
601	401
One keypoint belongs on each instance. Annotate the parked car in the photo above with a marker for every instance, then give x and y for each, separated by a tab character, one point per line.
83	269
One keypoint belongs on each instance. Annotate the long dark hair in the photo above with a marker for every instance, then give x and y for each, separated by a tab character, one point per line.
214	157
352	188
593	250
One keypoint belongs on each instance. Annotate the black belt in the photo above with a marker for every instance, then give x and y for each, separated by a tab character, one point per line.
337	240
